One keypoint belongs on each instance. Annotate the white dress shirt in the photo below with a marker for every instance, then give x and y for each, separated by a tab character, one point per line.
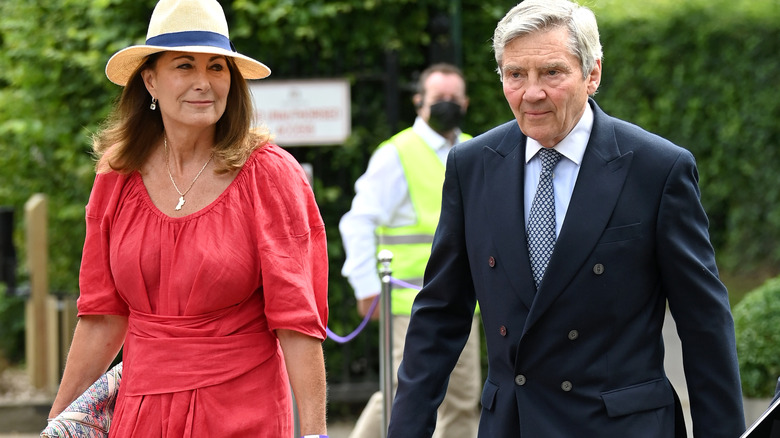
572	147
381	199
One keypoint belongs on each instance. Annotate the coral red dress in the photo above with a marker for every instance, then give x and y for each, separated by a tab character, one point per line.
203	295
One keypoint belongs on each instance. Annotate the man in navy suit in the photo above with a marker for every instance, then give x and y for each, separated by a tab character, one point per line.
581	353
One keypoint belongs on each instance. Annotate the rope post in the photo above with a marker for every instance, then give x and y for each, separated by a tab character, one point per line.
386	338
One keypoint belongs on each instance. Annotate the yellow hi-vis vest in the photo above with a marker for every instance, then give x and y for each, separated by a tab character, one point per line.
411	245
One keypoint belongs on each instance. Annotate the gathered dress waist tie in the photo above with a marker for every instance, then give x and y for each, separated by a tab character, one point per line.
166	354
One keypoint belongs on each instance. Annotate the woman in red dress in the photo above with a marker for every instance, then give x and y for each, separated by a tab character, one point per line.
205	254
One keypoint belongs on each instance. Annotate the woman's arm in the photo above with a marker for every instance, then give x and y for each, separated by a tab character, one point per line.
306	368
96	342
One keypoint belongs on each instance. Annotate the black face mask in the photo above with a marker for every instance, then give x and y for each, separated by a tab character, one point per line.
445	116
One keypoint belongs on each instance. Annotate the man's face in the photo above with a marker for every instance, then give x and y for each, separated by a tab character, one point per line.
438	87
544	86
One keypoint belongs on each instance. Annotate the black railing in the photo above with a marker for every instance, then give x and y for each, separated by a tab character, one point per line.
7	250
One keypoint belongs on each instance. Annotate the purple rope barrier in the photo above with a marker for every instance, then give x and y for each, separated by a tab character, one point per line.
362	325
404	284
353	335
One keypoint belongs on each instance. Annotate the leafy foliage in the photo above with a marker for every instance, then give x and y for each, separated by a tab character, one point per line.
756	319
11	328
701	73
52	97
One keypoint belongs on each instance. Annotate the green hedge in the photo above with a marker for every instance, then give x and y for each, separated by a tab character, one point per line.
701	73
704	73
757	324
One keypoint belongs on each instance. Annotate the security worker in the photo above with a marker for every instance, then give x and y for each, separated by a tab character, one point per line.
396	207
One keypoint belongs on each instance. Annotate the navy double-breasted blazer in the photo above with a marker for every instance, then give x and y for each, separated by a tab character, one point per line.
582	356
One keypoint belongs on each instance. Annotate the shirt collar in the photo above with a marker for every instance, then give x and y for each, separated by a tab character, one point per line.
573	145
431	137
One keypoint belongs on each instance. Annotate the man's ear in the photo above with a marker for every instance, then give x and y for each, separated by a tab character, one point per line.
594	79
417	100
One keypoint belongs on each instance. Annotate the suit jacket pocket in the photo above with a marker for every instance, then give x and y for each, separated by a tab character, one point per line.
489	395
621	233
637	398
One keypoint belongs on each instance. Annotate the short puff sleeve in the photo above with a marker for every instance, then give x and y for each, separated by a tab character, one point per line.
97	292
292	245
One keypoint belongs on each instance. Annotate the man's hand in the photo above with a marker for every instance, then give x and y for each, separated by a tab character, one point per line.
364	305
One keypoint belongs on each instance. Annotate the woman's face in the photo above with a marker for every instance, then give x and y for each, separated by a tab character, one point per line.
192	88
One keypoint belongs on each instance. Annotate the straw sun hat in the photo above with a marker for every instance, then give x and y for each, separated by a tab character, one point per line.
186	26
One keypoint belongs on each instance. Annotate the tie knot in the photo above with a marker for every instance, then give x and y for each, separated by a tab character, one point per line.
550	158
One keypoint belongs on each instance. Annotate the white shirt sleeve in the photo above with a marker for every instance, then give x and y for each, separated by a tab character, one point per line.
381	199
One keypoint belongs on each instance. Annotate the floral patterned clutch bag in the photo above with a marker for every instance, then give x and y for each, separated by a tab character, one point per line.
89	416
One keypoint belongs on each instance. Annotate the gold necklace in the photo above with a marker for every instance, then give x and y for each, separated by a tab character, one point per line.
170	175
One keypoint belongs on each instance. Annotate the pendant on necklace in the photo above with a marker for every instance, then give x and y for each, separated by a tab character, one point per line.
181	202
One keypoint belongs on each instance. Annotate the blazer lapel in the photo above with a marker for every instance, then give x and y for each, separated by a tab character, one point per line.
599	183
504	172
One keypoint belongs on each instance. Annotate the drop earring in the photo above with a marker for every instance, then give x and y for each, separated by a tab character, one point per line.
153	106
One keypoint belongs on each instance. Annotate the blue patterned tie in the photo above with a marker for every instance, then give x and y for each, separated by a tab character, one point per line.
541	220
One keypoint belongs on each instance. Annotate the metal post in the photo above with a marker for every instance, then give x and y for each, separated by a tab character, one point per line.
391	89
296	416
457	32
386	339
7	250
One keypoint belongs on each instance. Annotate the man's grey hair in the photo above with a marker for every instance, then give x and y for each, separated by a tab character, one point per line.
541	15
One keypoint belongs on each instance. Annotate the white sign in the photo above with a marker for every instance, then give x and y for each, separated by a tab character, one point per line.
303	112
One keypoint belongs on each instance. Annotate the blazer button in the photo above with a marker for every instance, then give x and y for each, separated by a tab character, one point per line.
574	334
519	380
491	262
566	386
598	269
502	330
